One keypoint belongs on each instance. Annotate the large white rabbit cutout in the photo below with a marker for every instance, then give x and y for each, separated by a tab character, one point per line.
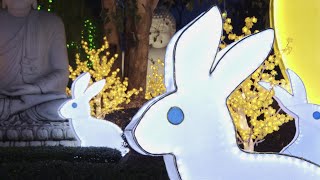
190	125
89	130
306	143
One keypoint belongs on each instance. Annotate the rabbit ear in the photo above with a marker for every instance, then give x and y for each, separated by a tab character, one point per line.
297	86
169	56
241	60
95	89
80	85
220	54
283	97
196	47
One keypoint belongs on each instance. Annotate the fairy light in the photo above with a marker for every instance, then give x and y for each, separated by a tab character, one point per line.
89	33
49	5
73	44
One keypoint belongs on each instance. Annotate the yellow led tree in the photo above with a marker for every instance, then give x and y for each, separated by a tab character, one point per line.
98	64
155	80
252	107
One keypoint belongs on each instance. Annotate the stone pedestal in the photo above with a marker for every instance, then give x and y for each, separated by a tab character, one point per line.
40	133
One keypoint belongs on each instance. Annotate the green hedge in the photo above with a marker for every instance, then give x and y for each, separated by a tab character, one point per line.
78	163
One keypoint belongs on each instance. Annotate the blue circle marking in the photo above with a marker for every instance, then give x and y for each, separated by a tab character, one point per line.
74	105
175	115
316	115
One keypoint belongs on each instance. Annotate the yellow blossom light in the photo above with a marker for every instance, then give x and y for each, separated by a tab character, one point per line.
115	92
251	105
155	81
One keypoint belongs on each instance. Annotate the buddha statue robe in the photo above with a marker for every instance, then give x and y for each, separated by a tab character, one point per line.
33	66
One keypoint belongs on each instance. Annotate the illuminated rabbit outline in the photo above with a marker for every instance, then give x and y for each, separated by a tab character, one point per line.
77	109
304	144
151	133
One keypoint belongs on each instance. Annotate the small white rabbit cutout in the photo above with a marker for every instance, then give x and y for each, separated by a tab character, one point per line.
306	143
190	125
89	130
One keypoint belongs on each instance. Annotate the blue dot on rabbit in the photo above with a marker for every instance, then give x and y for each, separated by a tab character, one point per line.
316	115
175	115
74	105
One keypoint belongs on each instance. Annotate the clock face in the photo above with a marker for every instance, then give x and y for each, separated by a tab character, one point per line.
161	31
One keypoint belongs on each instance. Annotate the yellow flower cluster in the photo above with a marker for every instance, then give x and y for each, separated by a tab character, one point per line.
227	27
114	92
251	105
155	81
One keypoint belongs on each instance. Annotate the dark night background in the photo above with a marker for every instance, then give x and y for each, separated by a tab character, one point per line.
74	12
103	163
237	10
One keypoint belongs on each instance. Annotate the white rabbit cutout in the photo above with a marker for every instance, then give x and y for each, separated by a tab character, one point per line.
89	130
305	144
190	124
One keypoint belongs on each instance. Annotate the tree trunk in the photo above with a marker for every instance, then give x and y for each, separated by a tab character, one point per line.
248	145
137	36
112	34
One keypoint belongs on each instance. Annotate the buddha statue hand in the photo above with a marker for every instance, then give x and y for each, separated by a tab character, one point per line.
19	90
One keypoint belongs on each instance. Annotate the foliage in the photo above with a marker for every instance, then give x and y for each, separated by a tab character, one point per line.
78	163
115	92
72	154
254	111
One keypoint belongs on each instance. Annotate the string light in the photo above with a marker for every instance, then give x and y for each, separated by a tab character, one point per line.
89	33
49	5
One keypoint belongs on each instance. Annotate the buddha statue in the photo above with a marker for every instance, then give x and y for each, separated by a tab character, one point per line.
33	74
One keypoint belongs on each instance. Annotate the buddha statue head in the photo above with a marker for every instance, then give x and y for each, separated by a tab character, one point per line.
19	7
162	29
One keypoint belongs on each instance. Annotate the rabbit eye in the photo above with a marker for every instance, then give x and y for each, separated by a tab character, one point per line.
74	105
316	115
175	115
